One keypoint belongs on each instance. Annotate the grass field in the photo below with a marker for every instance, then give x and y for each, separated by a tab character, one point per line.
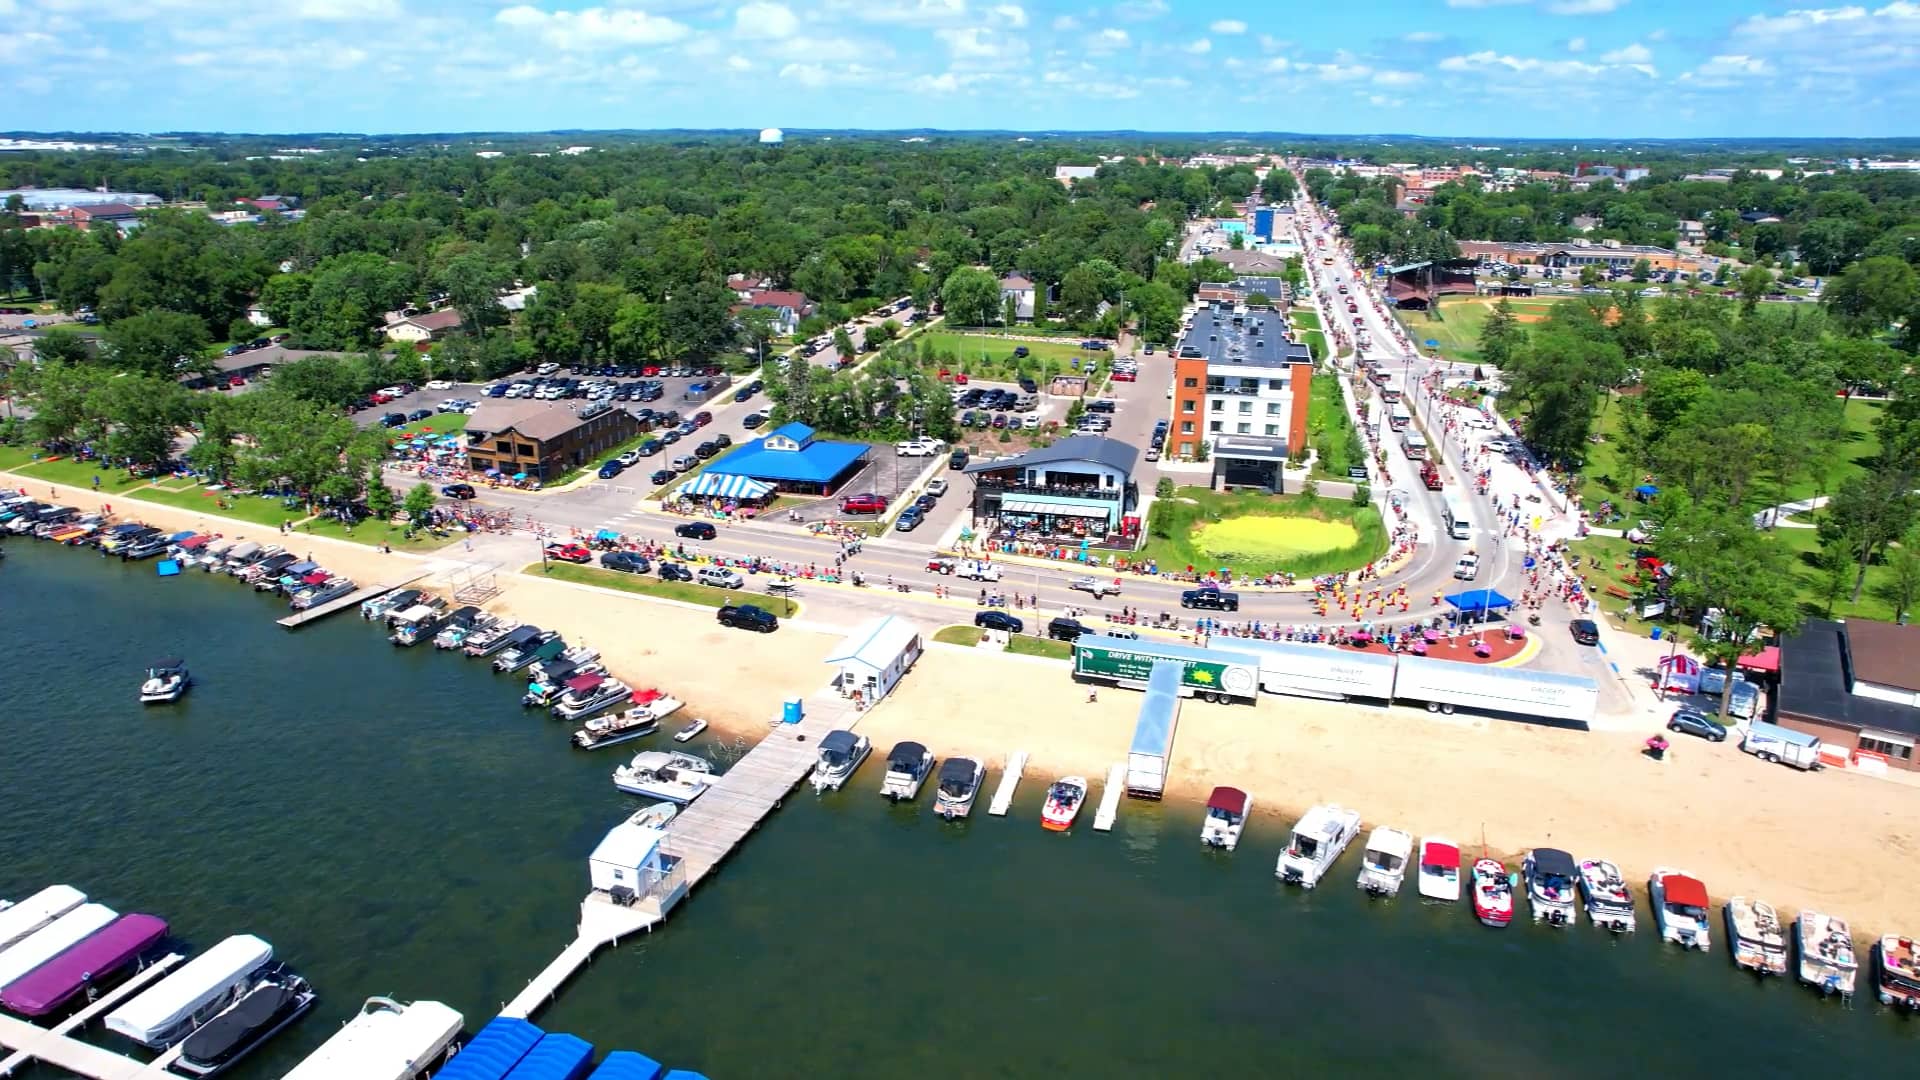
1027	645
1305	318
261	511
1256	534
990	356
958	635
442	424
80	474
1330	430
1461	317
373	534
685	591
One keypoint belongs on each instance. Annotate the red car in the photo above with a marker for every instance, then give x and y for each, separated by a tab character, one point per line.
650	370
702	419
573	553
1124	376
382	399
961	378
868	503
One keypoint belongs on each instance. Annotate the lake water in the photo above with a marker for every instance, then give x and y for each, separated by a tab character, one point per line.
395	824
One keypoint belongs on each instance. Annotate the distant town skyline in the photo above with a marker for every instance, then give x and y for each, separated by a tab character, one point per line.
1497	68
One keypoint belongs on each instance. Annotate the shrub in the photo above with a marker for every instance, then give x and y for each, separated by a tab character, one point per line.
1311	489
1005	435
1163	489
1362	494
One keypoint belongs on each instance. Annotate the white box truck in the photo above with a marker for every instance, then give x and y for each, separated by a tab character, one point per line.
1771	742
1443	685
1209	674
1320	671
1151	752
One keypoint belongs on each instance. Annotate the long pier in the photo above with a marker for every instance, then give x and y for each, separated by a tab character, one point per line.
1009	780
1110	798
352	599
697	839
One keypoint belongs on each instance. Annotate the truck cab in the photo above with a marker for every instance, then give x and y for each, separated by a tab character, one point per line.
1467	568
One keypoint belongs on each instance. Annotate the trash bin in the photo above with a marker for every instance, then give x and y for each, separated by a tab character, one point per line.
790	712
1657	632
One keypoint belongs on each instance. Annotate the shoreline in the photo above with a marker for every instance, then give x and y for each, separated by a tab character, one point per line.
1725	816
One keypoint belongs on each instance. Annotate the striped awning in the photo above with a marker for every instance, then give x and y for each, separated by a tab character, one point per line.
724	486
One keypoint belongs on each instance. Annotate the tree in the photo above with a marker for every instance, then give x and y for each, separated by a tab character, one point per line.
843	343
1501	334
1902	584
697	320
1081	293
1753	283
1010	309
1157	310
1740	581
1873	293
1560	377
971	296
144	413
473	282
61	345
213	450
1278	186
419	503
158	342
1590	276
1869	511
1642	270
61	396
381	501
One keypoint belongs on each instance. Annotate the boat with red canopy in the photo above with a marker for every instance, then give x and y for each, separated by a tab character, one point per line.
1227	811
1439	869
1680	906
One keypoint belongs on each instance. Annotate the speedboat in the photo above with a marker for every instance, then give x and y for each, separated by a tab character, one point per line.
397	600
959	786
1552	887
611	730
166	680
1897	969
588	694
314	596
1227	810
1383	865
654	817
1439	869
500	638
1317	840
1827	961
908	764
665	774
1680	908
1063	803
841	752
462	623
278	999
1755	937
690	732
1492	892
1609	903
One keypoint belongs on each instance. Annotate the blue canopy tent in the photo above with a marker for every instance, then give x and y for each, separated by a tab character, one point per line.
1479	602
725	486
1646	492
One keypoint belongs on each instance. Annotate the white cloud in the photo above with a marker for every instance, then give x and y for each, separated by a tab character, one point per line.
1578	44
1110	39
1199	47
346	10
1839	42
341	59
196	59
979	43
1065	22
1397	78
1726	70
1635	53
1141	10
1279	64
815	76
765	20
1659	34
8	7
905	12
1484	3
1336	72
1423	37
593	28
1269	43
1584	7
1489	61
950	82
1012	14
736	62
1228	26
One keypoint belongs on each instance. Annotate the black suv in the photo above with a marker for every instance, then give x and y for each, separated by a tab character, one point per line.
626	562
1064	629
696	530
999	620
1584	631
1210	600
673	571
957	459
748	617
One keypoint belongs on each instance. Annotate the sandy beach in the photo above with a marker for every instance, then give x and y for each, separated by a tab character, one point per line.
1833	840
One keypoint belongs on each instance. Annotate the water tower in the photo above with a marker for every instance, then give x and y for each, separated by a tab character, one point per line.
772	137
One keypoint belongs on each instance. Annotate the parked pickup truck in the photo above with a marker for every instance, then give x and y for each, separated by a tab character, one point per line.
1467	568
917	448
1099	587
749	617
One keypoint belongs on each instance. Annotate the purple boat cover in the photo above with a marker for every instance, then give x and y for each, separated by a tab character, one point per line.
109	949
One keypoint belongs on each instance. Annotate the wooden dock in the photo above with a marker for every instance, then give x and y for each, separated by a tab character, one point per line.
602	923
96	1007
352	599
706	831
1009	780
1110	798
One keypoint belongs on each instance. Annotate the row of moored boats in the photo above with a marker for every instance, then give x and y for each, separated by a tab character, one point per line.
59	951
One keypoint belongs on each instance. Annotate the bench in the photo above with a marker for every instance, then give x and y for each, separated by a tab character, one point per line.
1618	593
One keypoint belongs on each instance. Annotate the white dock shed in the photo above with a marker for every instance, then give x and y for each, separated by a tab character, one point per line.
875	656
627	858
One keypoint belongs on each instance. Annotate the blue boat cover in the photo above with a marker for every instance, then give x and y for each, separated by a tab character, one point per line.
493	1052
167	568
685	1074
627	1065
556	1057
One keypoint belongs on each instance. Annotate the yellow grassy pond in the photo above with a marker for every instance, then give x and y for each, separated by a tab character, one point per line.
1273	538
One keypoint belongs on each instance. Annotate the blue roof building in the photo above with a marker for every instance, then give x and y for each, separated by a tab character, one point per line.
791	459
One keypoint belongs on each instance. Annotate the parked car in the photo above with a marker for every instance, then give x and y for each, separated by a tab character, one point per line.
673	571
573	553
611	468
458	491
696	530
936	487
661	476
749	617
627	562
1210	600
957	459
1584	631
999	620
753	420
720	577
909	519
926	502
866	503
705	450
1065	629
917	448
393	419
1696	723
650	448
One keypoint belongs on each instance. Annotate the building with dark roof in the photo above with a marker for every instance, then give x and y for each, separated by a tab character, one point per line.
1238	376
543	439
1079	488
793	460
1855	684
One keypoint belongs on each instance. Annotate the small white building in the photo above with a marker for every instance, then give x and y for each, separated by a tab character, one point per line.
627	858
875	656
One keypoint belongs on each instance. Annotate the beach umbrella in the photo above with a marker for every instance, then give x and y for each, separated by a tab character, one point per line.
519	476
1431	343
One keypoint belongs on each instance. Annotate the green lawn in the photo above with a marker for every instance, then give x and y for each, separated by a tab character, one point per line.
441	424
958	635
1025	645
261	511
1461	317
1305	318
374	533
1330	430
12	457
1253	534
990	356
80	474
686	591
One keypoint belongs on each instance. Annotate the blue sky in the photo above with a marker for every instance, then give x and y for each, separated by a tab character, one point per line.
1544	68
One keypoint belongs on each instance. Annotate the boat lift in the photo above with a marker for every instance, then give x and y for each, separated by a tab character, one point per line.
1110	798
1009	780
